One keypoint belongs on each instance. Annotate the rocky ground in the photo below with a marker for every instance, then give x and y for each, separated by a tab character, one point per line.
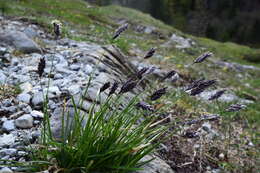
69	64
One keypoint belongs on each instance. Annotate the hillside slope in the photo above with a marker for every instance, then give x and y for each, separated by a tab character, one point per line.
234	66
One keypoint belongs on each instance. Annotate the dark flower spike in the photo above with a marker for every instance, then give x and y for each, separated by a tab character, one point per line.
217	95
196	91
194	84
128	86
159	93
113	88
145	106
169	75
141	72
41	67
105	86
57	25
150	53
151	70
119	30
202	57
235	107
201	87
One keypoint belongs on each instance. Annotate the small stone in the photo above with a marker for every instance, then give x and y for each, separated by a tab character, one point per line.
36	122
74	89
8	126
2	78
25	121
3	51
74	67
10	152
6	170
37	99
26	87
58	76
6	140
21	153
221	156
88	69
206	127
12	109
37	114
6	102
24	97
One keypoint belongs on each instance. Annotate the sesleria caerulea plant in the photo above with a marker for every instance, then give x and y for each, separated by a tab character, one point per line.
114	137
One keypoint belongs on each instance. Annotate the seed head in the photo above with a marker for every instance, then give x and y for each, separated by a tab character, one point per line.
128	86
201	87
113	88
119	30
150	53
235	107
105	86
194	84
151	70
159	93
57	28
202	57
41	66
145	106
169	75
217	95
141	72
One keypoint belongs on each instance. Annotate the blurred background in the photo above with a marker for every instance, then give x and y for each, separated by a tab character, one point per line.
223	20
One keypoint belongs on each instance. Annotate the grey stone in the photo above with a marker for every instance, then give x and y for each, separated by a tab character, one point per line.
6	170
10	152
74	89
26	87
88	69
74	67
37	114
6	140
30	32
6	102
56	121
25	121
226	97
24	97
58	76
179	42
8	126
3	51
53	92
20	41
2	78
37	99
155	166
12	109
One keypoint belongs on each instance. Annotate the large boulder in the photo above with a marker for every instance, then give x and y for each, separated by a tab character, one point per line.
157	165
20	41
